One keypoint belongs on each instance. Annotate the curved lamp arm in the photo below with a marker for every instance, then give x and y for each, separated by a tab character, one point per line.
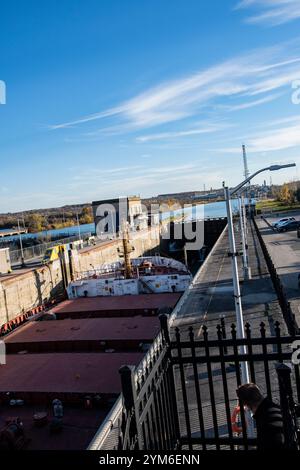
269	168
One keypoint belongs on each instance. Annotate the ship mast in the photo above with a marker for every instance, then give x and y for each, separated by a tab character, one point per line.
127	249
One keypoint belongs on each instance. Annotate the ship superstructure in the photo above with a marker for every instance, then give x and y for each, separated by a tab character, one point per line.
148	275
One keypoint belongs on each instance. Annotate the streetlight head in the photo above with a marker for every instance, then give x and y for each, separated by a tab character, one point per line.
280	167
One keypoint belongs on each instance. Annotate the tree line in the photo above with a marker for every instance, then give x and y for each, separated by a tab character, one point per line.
40	220
288	193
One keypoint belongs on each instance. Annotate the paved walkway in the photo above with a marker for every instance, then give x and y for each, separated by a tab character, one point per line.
210	297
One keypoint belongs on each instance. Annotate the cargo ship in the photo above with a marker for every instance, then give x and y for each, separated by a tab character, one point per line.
61	376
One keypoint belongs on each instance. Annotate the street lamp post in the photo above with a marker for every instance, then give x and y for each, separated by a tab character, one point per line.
233	254
236	284
235	275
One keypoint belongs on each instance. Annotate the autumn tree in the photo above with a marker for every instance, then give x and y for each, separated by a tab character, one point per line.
86	216
286	195
35	222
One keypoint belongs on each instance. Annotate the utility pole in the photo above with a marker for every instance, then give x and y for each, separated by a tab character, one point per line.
246	267
21	245
246	175
78	225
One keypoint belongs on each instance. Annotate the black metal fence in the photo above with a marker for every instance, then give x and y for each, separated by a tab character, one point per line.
287	312
37	251
150	419
184	394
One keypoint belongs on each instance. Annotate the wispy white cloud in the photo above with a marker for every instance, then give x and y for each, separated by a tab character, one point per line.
280	138
275	136
136	179
91	117
271	12
262	72
80	175
206	129
250	104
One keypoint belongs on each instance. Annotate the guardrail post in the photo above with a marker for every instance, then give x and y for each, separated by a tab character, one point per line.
287	406
223	331
126	381
133	434
163	318
164	323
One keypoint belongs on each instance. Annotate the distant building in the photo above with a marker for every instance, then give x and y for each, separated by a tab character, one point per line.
206	197
193	195
188	194
110	214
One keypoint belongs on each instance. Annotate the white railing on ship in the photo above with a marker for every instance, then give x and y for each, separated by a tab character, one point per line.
112	421
114	268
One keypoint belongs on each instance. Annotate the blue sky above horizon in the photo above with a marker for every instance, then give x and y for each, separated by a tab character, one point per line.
113	97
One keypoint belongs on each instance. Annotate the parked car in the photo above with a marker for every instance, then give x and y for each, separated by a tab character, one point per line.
288	226
281	221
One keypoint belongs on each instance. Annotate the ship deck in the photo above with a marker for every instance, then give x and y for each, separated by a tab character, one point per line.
40	378
94	334
129	305
75	358
79	426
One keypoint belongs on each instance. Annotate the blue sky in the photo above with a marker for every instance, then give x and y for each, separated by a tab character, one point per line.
114	97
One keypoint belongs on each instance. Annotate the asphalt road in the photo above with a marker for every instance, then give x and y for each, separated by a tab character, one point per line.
284	249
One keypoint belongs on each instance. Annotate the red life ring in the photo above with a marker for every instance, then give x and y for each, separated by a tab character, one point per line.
234	420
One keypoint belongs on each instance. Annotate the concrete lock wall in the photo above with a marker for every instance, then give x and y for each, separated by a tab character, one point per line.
21	293
143	243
